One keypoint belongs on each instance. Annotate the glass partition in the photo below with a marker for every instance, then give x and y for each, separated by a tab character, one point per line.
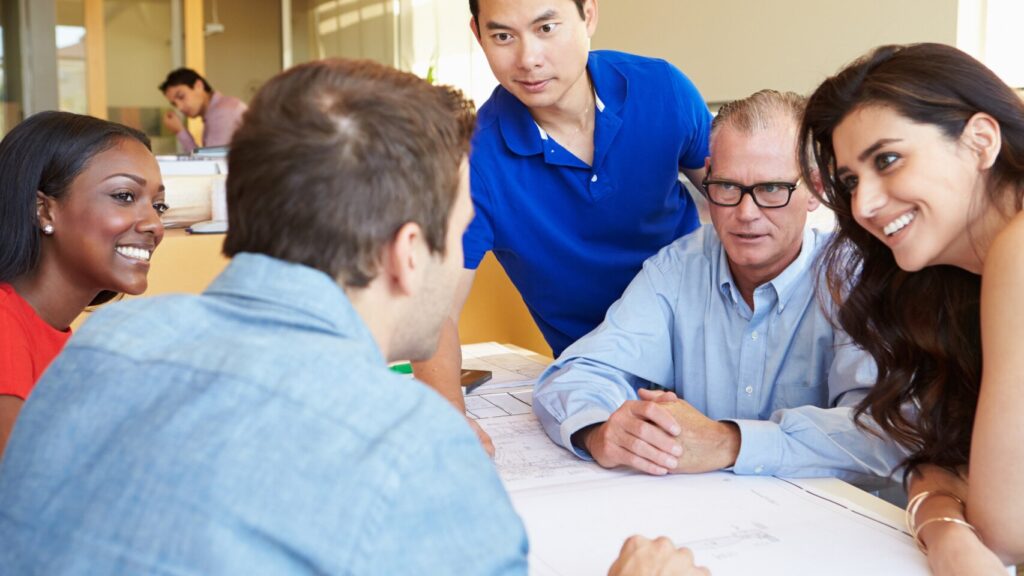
344	28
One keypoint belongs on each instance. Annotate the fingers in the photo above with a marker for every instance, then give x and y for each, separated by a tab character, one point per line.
657	415
654	557
631	438
657	395
484	438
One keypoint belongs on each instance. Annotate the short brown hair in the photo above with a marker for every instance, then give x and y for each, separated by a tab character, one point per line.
333	157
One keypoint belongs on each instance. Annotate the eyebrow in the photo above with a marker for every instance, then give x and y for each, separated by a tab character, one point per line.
548	15
868	152
137	179
874	148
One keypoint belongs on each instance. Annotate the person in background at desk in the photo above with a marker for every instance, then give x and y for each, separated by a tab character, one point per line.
922	153
193	96
730	320
80	200
256	428
575	169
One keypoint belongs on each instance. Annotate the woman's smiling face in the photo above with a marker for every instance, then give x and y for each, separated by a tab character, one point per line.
911	186
107	225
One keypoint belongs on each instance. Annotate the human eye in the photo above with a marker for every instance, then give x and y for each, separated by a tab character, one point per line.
161	207
549	27
501	37
885	159
125	196
848	184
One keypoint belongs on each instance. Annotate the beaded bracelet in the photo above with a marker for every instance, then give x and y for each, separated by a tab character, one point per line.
917	535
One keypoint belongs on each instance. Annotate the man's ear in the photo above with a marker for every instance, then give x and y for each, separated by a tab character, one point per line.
817	189
404	260
983	135
475	28
590	17
199	85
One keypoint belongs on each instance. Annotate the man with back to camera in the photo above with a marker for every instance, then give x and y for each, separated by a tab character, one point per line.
193	96
574	169
730	321
256	429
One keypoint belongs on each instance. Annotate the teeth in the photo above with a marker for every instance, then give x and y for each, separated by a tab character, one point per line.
899	223
134	253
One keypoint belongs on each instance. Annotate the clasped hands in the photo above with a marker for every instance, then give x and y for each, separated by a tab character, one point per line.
659	434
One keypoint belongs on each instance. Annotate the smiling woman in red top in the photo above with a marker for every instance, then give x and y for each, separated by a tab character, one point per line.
80	205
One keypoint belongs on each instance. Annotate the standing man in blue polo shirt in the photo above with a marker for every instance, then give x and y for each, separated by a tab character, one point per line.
574	168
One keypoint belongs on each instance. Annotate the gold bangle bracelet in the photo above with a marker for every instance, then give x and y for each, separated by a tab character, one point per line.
916	502
917	536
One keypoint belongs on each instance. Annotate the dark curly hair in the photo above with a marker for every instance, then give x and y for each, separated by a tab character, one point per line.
922	328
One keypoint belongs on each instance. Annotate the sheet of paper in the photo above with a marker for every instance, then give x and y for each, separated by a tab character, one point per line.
497	404
578	514
733	524
527	458
509	367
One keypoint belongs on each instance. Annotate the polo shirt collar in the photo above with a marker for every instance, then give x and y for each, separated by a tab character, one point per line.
524	136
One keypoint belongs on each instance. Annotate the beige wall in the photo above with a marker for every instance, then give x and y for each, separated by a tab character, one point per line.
138	49
248	52
731	48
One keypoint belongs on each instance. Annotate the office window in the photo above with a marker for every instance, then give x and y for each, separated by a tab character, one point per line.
138	56
10	67
72	89
346	28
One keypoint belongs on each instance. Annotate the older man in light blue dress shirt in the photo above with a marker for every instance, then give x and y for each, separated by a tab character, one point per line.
730	321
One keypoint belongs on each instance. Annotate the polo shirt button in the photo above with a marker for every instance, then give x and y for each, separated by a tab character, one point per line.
749	389
594	178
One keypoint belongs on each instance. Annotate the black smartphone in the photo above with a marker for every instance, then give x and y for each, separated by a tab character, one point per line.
473	378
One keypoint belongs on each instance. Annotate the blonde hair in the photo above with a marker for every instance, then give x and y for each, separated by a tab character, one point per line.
760	111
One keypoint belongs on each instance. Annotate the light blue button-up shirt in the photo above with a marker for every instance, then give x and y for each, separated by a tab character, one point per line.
254	429
779	371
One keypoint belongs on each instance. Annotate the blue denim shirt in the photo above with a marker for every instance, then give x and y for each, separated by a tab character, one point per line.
254	429
779	371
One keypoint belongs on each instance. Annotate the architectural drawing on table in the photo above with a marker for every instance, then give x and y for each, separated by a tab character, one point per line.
479	406
508	366
527	458
739	541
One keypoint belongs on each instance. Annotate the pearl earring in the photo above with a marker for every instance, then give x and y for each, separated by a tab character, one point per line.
48	229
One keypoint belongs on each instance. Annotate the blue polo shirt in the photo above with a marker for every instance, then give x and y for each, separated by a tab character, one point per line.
571	236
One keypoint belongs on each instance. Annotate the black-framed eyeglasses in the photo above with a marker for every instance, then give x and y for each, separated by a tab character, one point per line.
765	194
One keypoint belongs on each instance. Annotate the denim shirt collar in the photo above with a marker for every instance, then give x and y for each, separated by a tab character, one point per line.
785	284
305	295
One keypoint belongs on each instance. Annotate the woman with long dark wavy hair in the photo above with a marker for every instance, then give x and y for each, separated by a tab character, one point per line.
921	149
80	205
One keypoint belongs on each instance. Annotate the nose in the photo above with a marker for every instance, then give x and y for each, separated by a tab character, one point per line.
149	222
747	210
868	200
531	53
